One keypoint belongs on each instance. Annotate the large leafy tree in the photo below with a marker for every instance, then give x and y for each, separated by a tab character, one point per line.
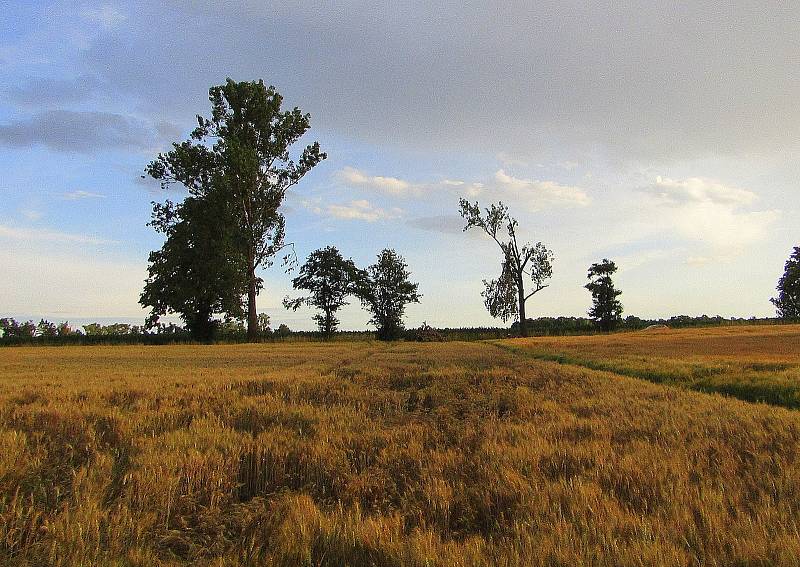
788	301
385	290
242	152
606	308
329	279
506	296
194	274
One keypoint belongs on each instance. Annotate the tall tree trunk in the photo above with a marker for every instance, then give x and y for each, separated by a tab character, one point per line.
523	323
252	315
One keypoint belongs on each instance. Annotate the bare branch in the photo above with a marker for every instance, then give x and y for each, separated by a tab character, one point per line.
535	291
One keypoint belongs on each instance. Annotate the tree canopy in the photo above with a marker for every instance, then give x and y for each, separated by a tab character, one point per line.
10	327
330	279
506	296
606	309
242	154
385	290
787	303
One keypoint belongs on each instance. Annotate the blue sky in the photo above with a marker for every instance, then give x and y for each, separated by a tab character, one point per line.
665	139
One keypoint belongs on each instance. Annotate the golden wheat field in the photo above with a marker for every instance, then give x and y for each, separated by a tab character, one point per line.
753	363
371	454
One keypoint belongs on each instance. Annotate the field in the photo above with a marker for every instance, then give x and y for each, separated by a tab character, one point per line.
399	454
755	363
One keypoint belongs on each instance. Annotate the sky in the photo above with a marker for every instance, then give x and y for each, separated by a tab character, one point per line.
663	137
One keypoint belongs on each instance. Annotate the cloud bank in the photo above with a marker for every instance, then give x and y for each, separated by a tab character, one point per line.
633	81
83	132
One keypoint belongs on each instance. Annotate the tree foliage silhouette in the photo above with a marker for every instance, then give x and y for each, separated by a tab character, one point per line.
506	296
385	290
194	274
330	279
787	303
242	153
606	308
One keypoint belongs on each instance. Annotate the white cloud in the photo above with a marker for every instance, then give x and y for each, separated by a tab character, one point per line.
721	227
535	194
355	210
474	189
32	214
47	235
397	187
106	15
699	190
391	185
540	194
709	214
80	194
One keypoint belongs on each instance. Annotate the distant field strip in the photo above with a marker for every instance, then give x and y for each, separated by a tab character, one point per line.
755	364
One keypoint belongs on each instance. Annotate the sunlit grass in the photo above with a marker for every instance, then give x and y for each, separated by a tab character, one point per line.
757	364
372	454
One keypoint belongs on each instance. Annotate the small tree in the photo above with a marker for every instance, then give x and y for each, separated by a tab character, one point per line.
91	329
787	303
263	324
242	152
230	326
65	330
26	330
505	297
385	290
117	329
606	308
46	329
330	279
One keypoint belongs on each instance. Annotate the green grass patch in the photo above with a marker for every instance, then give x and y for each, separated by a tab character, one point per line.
774	383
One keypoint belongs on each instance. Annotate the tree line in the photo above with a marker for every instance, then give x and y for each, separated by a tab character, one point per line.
11	328
235	331
237	167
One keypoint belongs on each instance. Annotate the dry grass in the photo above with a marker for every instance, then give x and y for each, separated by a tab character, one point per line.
368	454
756	363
